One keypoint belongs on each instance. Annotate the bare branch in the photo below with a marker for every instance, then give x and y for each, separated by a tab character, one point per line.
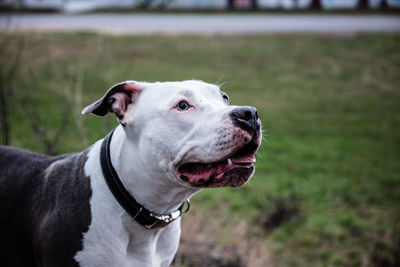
6	76
40	132
17	58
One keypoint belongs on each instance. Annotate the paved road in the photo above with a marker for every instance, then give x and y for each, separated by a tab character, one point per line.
204	24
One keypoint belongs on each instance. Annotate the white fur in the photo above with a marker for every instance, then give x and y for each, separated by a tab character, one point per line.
114	238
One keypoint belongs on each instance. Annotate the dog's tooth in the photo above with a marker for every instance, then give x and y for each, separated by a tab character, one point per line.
229	161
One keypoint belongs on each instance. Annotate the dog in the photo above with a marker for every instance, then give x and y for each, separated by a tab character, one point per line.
119	202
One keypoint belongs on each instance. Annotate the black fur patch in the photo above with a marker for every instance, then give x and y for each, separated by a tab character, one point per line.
42	218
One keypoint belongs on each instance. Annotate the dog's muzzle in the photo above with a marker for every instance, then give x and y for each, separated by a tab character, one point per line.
236	168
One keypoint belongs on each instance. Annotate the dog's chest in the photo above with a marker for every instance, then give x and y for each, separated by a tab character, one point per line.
114	238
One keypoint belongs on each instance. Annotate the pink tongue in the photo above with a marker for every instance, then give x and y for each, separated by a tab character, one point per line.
244	159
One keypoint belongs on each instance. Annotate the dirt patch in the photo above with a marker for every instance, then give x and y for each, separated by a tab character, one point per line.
386	248
208	240
207	254
282	210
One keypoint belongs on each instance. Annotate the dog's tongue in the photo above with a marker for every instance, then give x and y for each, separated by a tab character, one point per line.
243	159
199	173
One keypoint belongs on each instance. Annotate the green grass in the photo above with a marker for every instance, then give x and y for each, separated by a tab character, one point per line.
330	108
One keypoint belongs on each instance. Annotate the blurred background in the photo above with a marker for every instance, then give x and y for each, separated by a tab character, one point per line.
324	75
86	5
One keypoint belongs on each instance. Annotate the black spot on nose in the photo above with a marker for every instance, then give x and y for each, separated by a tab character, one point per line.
246	118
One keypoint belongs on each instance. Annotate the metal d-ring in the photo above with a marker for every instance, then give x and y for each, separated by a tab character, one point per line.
185	210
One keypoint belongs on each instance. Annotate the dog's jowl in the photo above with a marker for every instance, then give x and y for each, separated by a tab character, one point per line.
119	202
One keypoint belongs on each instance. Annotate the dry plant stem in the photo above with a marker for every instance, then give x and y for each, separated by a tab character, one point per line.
41	134
5	87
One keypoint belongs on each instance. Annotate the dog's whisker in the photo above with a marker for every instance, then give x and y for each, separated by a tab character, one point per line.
220	82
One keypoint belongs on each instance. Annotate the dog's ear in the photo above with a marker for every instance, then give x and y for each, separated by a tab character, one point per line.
117	100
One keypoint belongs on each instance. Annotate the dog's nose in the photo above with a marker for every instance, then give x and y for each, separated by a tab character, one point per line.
246	118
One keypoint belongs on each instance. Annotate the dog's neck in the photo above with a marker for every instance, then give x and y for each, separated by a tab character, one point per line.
152	190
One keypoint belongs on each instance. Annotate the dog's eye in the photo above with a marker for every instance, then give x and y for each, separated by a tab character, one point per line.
182	106
226	98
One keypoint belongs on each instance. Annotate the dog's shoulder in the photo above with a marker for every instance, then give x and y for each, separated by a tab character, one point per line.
65	208
24	173
23	166
13	155
50	196
19	167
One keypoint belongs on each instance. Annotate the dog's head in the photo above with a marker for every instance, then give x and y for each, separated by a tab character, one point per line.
186	131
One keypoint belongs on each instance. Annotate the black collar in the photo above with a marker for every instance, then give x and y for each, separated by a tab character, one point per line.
125	199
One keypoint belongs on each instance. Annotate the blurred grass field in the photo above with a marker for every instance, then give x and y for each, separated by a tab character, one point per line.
327	186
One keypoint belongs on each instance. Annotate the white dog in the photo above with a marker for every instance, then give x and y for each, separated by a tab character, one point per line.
119	202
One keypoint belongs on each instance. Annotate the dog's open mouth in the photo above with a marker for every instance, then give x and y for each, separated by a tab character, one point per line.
233	170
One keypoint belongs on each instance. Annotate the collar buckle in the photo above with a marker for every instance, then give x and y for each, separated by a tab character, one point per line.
167	218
